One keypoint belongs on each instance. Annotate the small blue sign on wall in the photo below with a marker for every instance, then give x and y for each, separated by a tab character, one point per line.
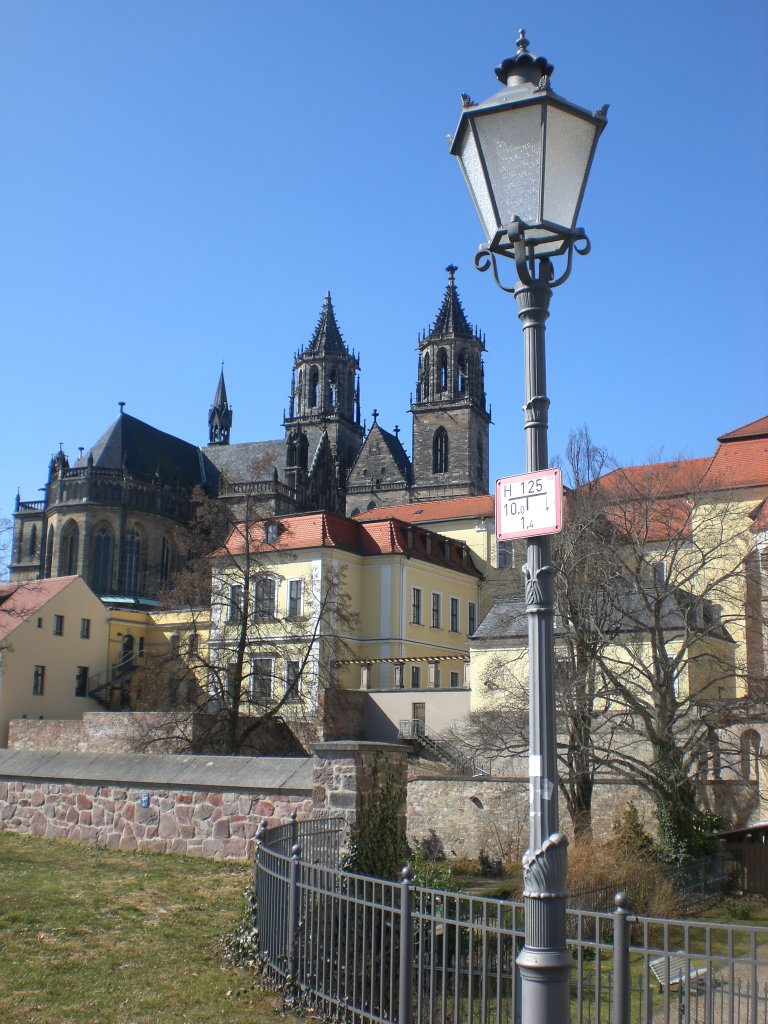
145	799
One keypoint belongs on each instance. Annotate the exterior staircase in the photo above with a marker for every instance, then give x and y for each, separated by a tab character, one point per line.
415	732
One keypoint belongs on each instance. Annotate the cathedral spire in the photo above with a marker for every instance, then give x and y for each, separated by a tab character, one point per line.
220	414
327	336
451	319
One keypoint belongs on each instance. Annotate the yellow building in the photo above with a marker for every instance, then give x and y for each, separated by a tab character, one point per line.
332	603
53	649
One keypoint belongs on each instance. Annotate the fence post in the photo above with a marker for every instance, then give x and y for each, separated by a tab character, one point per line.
293	919
406	946
294	828
261	840
621	974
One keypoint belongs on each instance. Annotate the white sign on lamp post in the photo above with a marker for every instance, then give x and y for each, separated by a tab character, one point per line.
529	505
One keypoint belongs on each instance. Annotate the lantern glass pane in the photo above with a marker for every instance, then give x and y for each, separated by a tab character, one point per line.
478	186
569	142
510	141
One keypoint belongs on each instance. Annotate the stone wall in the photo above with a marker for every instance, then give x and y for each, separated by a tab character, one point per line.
183	803
347	775
209	807
97	732
463	818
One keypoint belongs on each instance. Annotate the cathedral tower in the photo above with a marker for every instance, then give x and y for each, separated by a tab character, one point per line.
325	397
450	419
220	414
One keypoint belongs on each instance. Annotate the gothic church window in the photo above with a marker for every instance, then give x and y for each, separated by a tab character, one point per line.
479	452
70	548
165	560
442	370
32	539
314	386
333	390
440	451
101	561
461	373
132	562
425	379
49	553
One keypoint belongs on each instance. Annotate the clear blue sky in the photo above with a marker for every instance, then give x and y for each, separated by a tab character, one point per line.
181	182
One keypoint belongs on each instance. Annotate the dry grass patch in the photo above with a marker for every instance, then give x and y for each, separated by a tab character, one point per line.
90	936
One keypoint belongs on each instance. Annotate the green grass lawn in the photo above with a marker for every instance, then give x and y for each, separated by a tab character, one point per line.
89	936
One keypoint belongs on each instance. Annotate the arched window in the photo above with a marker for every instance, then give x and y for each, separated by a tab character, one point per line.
440	451
750	752
303	451
32	539
425	378
461	373
333	389
314	386
371	506
132	561
442	370
48	553
101	560
165	559
70	549
479	453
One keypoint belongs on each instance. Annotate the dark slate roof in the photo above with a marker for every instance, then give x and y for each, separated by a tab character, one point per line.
451	319
327	336
252	460
220	399
507	619
136	446
397	452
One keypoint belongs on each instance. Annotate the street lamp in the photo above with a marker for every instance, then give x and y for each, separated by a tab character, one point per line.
526	154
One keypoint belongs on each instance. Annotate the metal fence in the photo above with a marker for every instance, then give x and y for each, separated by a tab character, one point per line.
367	950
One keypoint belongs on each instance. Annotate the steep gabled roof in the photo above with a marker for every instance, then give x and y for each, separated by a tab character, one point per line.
137	447
19	601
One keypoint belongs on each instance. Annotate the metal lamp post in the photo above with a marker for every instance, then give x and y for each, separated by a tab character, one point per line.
526	154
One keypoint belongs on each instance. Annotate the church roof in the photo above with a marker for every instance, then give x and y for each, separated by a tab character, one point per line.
327	336
451	319
480	506
250	460
220	399
393	447
136	446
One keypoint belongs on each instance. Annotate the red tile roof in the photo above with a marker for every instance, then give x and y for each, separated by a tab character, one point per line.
325	530
18	601
758	428
437	510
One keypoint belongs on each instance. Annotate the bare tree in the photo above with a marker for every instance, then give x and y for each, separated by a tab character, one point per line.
650	638
241	673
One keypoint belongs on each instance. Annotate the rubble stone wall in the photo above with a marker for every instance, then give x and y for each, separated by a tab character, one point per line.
198	823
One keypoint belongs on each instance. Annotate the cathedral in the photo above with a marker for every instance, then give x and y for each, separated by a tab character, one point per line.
114	516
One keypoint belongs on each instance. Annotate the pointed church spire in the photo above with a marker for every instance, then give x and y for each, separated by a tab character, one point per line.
220	414
451	319
327	336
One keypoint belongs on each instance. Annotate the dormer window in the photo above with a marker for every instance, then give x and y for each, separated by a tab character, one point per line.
272	533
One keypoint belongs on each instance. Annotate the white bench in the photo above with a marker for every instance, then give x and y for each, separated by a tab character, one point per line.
675	969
